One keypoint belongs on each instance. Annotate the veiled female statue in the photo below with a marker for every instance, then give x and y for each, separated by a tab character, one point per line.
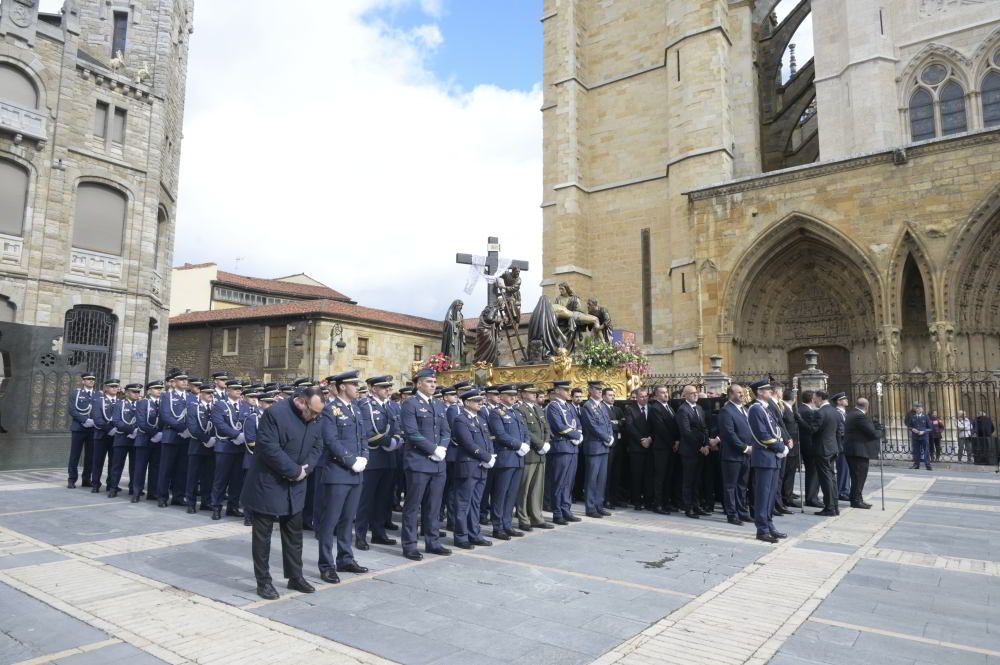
453	333
488	335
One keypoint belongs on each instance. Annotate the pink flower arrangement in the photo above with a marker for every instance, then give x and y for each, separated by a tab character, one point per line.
439	362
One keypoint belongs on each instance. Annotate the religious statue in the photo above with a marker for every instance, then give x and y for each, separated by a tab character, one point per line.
574	322
604	329
508	288
488	335
453	333
545	338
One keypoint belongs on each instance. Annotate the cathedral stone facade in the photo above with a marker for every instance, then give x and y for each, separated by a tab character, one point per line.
717	206
91	109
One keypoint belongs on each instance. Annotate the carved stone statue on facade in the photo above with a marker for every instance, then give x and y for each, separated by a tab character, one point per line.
453	333
488	335
604	329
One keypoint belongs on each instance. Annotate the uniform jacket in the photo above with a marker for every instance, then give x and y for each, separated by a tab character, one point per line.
103	406
861	439
734	430
920	422
81	406
636	427
663	420
381	423
202	429
173	417
228	420
344	441
766	434
693	429
825	440
147	414
124	418
285	442
565	428
509	431
425	427
538	430
474	445
598	436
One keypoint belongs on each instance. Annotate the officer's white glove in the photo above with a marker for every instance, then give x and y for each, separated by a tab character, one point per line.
493	460
439	454
89	422
210	443
185	434
577	442
241	439
359	464
523	450
113	431
156	437
132	435
393	445
610	442
545	448
783	453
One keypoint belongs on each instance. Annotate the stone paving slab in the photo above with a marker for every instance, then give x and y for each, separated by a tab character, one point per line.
31	628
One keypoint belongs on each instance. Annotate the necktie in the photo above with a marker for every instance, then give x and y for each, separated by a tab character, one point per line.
643	412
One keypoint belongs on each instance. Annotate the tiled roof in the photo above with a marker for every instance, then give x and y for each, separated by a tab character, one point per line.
335	308
279	288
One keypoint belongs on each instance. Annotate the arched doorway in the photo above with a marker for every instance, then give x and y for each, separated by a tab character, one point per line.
803	285
89	339
834	360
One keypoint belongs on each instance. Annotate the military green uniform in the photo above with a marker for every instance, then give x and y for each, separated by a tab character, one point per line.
529	496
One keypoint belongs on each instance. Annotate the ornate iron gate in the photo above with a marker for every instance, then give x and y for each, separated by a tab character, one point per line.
89	339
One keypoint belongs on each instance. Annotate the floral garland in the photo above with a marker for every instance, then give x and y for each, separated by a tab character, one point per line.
439	362
602	355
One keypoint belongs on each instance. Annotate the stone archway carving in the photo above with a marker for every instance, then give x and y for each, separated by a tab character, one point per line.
966	245
909	243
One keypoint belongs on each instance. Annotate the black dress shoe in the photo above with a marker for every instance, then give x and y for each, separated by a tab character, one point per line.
595	515
836	512
267	591
524	527
661	511
301	585
928	467
572	518
813	504
177	502
500	535
693	515
351	567
767	538
604	512
192	509
862	505
112	494
514	533
745	517
71	484
701	512
329	576
361	544
233	512
735	521
413	555
95	489
560	521
481	542
134	499
793	503
390	526
217	513
915	466
161	503
779	535
85	483
440	550
379	540
783	511
826	513
465	546
543	525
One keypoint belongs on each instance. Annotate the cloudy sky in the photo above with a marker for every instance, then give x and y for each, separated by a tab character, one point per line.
363	142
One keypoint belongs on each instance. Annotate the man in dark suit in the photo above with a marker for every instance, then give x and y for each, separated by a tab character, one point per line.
736	446
663	423
288	443
694	448
806	418
612	495
638	436
790	421
861	443
827	447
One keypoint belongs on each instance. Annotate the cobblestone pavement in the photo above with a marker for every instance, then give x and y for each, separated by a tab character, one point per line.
85	579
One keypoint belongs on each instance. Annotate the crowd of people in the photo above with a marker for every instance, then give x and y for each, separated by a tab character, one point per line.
340	456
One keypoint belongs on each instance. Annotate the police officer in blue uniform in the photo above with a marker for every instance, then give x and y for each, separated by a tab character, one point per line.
768	449
126	430
200	447
426	436
219	382
346	458
104	430
228	418
598	437
384	439
173	444
452	405
566	439
81	426
492	401
510	440
919	424
474	457
147	442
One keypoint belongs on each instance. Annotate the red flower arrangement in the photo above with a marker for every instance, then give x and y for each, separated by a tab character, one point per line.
439	362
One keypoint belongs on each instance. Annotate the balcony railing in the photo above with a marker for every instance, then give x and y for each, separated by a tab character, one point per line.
21	121
276	358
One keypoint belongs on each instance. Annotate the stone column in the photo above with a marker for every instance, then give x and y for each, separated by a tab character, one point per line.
716	380
811	378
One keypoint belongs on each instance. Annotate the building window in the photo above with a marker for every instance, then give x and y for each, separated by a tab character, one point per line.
276	352
120	34
16	88
118	126
237	297
645	258
100	218
13	197
109	124
937	104
418	353
230	341
161	228
362	346
991	98
101	120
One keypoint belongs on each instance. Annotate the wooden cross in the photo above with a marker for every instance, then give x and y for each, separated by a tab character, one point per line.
492	262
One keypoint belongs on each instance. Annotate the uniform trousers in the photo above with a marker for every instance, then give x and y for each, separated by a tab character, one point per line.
640	465
375	505
291	545
811	463
765	485
172	455
843	476
596	482
735	476
503	496
144	463
423	499
548	490
340	505
529	494
468	495
616	462
102	445
228	474
920	451
200	471
119	454
448	505
563	467
487	502
80	443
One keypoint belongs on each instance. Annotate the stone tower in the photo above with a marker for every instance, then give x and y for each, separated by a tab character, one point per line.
92	108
